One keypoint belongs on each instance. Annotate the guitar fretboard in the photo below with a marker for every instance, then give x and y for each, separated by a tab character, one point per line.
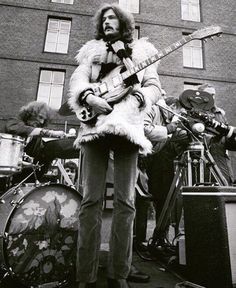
156	57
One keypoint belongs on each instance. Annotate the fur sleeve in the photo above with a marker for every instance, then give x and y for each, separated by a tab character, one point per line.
81	78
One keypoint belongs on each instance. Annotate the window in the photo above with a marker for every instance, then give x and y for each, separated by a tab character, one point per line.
130	5
192	54
57	39
50	89
136	32
64	1
190	10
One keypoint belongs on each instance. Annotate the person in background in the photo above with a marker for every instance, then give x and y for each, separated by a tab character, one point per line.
72	171
161	128
31	123
118	127
219	144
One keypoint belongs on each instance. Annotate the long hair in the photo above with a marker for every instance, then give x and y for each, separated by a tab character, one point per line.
34	108
73	167
126	20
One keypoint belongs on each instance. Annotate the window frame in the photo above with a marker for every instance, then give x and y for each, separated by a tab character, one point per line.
51	84
129	4
189	16
58	34
192	85
137	32
57	1
190	44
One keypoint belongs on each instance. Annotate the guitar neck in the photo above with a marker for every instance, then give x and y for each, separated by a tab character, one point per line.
154	58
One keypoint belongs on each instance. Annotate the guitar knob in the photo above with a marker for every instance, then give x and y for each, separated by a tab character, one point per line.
83	114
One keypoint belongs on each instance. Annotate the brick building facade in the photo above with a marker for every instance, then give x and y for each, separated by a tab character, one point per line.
23	32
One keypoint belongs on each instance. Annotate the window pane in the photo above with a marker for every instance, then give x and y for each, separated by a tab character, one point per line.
197	58
61	48
58	33
46	76
65	25
58	77
43	93
187	56
130	5
134	6
51	36
56	97
195	14
190	10
63	38
184	10
51	88
192	54
50	47
53	24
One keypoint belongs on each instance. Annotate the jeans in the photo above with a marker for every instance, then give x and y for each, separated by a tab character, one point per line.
94	168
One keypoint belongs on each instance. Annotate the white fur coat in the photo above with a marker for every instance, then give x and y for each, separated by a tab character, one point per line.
126	118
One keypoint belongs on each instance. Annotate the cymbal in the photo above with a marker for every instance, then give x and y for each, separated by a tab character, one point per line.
65	110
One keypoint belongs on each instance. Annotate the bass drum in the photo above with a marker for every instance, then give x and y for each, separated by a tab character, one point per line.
39	228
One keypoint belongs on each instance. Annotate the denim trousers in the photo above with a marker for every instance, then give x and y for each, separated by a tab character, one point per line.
94	168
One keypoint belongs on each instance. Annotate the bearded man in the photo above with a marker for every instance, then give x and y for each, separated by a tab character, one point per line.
118	126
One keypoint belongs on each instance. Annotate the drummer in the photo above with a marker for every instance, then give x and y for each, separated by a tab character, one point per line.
31	123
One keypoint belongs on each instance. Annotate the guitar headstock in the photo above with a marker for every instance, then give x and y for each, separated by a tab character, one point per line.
207	32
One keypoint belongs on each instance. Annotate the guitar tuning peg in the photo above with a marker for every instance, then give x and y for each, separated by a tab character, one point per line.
205	40
219	35
212	37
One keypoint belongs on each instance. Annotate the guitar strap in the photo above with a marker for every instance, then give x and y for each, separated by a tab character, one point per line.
124	54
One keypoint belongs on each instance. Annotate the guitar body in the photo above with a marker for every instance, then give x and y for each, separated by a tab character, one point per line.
111	88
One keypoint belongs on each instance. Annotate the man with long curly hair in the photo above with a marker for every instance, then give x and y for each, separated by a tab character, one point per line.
31	123
118	126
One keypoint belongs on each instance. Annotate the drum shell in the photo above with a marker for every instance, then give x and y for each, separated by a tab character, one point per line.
28	232
11	156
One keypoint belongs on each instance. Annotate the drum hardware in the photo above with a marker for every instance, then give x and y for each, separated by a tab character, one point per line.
5	273
18	191
16	203
55	284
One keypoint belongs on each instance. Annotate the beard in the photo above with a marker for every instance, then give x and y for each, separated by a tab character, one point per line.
112	37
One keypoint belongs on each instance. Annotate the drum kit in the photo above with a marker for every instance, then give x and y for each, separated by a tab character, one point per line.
38	227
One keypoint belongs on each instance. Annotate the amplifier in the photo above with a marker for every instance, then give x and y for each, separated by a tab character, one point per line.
210	233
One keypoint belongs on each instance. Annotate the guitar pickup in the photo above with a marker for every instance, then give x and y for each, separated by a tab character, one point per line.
103	88
117	80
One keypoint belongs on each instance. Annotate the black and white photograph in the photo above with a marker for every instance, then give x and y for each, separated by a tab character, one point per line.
117	144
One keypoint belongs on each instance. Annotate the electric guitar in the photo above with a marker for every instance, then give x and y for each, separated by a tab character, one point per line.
112	87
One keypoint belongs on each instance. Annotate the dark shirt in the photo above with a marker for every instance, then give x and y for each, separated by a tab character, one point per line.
16	126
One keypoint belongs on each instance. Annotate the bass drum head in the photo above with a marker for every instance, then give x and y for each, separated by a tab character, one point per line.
40	247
